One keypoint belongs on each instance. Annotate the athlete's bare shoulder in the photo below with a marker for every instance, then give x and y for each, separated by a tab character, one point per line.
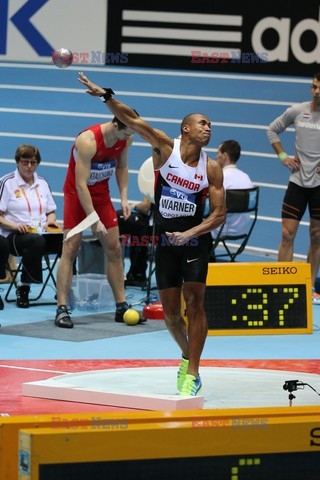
86	136
86	143
163	138
162	151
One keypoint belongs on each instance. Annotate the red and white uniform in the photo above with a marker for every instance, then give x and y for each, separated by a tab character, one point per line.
103	164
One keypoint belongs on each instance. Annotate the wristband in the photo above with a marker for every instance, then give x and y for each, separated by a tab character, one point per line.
282	156
107	95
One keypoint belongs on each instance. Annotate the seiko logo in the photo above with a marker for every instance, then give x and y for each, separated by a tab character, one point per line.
279	270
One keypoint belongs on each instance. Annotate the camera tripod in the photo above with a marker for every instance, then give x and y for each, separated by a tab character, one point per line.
293	385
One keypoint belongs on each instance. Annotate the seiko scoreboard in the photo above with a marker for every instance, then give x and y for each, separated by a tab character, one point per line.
258	298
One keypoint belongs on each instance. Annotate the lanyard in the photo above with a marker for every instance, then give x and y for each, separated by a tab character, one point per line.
27	200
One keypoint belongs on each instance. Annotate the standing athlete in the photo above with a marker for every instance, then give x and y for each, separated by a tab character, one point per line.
97	153
304	185
184	176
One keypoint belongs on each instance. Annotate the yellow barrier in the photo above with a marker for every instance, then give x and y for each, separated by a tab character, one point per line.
277	443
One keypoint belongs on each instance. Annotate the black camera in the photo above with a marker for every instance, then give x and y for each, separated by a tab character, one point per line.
291	385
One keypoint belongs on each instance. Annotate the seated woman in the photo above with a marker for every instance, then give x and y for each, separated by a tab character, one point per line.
27	209
4	254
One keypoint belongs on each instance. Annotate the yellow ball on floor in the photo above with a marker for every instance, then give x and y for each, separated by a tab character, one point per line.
131	317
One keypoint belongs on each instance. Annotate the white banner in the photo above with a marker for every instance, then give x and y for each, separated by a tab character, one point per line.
31	29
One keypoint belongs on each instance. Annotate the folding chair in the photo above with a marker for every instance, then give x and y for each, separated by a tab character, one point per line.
237	201
47	267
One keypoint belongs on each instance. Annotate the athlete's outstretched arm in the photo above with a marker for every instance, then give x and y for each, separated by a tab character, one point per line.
157	138
124	113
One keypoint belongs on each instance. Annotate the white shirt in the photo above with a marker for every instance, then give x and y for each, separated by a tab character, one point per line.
24	203
236	223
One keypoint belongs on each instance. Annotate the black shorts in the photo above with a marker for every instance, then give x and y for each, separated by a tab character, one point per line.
187	263
296	200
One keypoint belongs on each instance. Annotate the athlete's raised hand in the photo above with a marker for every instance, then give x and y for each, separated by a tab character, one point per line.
92	89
